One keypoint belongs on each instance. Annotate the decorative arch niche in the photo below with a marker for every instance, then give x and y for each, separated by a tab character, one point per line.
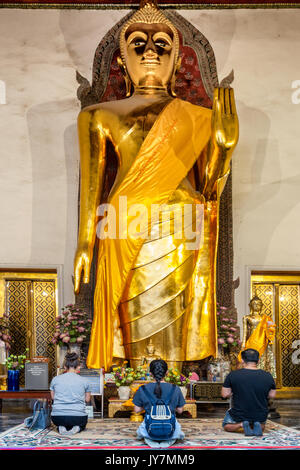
195	83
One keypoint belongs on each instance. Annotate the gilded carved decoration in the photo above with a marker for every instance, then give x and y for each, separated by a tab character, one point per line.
31	306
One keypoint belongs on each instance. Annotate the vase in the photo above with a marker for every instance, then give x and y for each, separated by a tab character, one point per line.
224	362
63	350
124	392
76	348
183	391
214	371
13	380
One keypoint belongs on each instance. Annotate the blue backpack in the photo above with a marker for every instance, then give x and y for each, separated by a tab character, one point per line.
160	422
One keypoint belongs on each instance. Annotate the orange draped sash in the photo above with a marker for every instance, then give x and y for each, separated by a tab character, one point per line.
169	151
263	334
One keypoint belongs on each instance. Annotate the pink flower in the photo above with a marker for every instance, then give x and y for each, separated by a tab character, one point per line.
79	339
232	329
81	329
221	341
66	339
230	339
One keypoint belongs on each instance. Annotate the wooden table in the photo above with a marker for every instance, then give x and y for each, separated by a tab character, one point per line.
115	404
25	395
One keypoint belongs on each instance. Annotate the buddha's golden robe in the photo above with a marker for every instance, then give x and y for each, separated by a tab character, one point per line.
261	339
158	287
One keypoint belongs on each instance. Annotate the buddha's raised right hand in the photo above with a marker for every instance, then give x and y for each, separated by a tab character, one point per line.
225	134
82	262
225	123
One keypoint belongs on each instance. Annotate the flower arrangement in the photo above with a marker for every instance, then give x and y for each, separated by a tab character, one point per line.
14	362
175	377
228	331
4	331
140	373
73	325
123	376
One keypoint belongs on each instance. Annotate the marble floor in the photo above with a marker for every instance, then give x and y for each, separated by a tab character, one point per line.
15	411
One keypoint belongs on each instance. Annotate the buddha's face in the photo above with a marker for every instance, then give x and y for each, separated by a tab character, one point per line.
256	305
150	349
149	54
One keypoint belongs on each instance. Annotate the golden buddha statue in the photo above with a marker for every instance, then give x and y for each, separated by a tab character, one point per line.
153	282
150	355
259	334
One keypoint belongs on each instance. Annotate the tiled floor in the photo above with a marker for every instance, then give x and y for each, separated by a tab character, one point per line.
15	411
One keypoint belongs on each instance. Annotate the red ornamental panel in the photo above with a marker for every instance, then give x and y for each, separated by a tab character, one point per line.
165	3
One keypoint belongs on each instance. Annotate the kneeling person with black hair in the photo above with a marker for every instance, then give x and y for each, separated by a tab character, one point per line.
250	389
150	396
70	392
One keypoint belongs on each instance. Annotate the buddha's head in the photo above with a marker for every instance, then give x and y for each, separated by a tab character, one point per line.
149	45
256	304
150	348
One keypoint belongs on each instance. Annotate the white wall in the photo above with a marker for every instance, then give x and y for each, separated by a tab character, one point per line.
39	161
39	54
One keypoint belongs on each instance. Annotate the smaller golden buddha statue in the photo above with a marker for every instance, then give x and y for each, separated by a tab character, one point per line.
259	334
150	355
